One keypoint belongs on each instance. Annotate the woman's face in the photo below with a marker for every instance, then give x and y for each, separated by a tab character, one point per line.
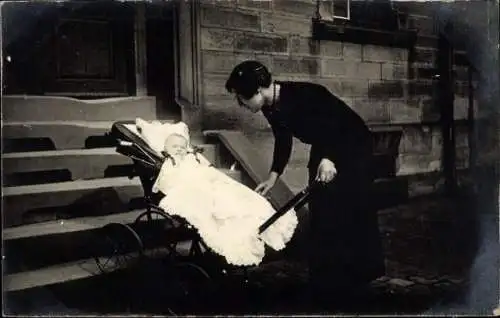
254	103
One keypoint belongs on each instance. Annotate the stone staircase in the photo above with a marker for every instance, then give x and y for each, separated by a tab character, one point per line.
62	180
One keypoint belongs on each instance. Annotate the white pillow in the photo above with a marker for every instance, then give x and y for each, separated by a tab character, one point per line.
155	133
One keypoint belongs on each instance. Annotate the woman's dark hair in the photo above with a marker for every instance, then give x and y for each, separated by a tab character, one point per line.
247	77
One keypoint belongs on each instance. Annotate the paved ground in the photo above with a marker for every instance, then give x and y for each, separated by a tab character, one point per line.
429	248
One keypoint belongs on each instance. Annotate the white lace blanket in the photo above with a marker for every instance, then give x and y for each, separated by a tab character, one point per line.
226	214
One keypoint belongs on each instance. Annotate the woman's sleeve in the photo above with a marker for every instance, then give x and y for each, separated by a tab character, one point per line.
283	141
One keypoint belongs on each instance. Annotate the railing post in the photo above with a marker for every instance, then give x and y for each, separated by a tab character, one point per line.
445	99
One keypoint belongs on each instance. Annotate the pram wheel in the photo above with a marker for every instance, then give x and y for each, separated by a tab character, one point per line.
165	235
191	284
153	226
119	247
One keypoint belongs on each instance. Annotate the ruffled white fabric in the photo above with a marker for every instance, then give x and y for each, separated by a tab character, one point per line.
226	214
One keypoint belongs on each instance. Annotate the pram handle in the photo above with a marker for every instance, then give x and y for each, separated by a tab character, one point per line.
298	201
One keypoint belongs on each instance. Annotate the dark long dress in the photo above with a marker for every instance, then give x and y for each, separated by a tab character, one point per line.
345	245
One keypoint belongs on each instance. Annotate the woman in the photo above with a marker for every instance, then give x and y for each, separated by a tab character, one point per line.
345	246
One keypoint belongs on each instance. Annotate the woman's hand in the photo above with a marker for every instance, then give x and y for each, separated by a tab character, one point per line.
267	185
326	171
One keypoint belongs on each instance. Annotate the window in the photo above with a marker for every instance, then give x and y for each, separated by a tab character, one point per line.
361	21
342	9
334	10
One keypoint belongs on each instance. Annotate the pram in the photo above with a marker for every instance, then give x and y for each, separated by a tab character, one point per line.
157	235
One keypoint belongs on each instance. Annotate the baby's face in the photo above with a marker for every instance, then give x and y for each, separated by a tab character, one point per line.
176	146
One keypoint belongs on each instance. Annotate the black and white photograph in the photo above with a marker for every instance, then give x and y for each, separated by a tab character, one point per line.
250	157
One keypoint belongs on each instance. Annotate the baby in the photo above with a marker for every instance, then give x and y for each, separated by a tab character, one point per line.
175	148
176	145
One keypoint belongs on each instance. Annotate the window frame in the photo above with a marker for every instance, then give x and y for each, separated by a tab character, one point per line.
327	26
348	17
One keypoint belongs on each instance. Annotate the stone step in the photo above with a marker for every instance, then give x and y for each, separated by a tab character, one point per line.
17	108
82	238
68	226
80	163
56	134
73	198
71	271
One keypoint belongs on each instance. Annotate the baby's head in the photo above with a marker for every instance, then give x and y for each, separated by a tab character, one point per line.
176	145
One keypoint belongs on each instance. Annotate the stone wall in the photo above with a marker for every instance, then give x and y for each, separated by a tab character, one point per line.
384	85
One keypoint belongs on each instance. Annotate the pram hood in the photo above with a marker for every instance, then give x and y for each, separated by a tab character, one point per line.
148	139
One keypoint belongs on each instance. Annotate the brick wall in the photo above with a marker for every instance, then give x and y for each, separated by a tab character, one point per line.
385	85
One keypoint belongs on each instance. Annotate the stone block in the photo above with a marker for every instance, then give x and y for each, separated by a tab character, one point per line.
429	41
217	39
352	51
222	62
221	113
425	25
416	164
461	135
331	49
416	140
461	107
371	111
402	111
333	68
430	108
354	88
260	43
284	65
426	72
373	53
296	7
218	17
425	55
225	113
421	8
218	3
255	4
303	46
350	69
392	71
385	89
265	59
275	23
213	86
363	70
419	87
